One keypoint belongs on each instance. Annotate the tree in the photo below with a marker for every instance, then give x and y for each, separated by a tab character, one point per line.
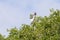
1	37
42	28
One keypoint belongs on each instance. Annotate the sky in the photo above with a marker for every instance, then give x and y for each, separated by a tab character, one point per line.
13	13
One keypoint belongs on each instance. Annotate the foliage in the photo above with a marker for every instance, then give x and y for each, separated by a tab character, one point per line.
2	37
42	28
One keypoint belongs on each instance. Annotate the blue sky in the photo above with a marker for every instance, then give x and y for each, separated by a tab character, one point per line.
16	12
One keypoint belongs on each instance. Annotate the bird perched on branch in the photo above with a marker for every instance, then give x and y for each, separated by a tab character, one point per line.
32	17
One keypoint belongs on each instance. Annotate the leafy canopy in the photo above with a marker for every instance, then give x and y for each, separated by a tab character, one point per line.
42	28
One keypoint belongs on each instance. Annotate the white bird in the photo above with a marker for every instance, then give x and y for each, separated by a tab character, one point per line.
32	16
